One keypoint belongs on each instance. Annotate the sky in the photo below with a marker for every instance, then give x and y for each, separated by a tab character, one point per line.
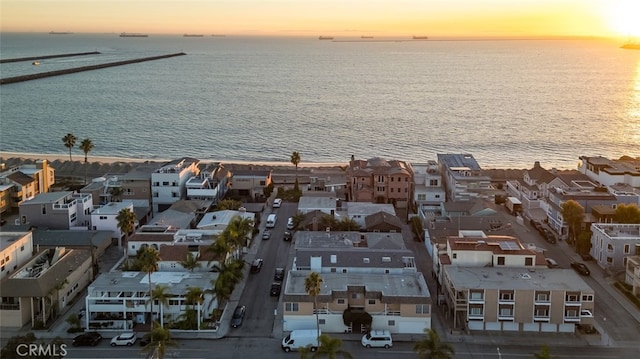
433	18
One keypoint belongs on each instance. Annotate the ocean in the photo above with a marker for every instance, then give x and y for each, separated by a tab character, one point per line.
508	103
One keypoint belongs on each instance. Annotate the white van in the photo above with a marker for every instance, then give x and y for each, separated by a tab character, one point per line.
377	339
271	220
301	338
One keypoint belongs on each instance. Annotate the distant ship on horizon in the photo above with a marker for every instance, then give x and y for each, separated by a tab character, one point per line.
366	37
59	33
632	44
124	34
421	37
192	35
218	35
325	38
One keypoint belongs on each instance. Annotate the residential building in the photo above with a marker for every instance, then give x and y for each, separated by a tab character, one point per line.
359	211
250	182
16	248
532	189
58	210
168	183
105	218
632	274
211	184
217	221
120	300
463	177
172	255
361	272
326	203
517	299
608	172
47	283
25	181
156	236
612	244
183	214
380	181
429	188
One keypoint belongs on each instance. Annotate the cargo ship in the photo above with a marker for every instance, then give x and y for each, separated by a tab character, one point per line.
192	35
420	37
59	33
124	34
325	38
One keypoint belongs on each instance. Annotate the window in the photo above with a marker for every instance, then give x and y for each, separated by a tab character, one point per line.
422	197
587	298
386	259
476	295
506	312
542	297
380	189
392	323
391	189
433	182
609	260
422	308
627	249
334	258
365	260
263	183
321	321
437	196
103	218
500	261
528	261
572	298
344	270
542	312
355	295
610	247
340	301
391	178
21	248
475	310
455	255
405	190
333	270
372	301
291	307
406	179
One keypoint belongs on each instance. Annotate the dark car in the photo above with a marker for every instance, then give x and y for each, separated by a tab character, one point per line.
279	274
580	268
87	339
287	236
145	340
256	265
238	316
586	257
548	235
266	234
275	289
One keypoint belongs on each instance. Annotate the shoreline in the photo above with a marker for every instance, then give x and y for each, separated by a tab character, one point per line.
5	155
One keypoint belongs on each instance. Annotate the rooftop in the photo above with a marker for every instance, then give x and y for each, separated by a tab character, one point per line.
516	278
177	282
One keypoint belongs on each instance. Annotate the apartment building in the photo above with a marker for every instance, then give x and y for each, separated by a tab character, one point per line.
58	210
20	183
16	248
372	274
428	187
609	172
168	183
632	273
612	244
463	178
380	181
250	182
120	300
210	185
517	299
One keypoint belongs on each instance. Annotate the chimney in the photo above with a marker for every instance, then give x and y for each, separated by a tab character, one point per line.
536	164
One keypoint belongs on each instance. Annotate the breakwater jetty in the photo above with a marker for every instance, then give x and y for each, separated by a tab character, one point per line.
19	59
10	80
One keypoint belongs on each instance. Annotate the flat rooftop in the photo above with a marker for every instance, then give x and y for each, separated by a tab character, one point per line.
7	238
516	278
177	282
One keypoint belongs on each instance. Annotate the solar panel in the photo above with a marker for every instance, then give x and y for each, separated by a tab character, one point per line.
509	246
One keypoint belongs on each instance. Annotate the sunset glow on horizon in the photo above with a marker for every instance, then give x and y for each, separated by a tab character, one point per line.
601	18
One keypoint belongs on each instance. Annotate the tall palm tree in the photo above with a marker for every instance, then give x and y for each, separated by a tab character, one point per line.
238	231
160	338
86	146
432	347
230	275
330	347
126	223
312	285
115	193
148	260
190	262
69	141
195	297
160	294
295	160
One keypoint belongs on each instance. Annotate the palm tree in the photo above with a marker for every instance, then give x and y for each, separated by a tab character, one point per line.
295	159
126	222
86	146
312	285
195	296
69	141
298	220
190	263
148	260
160	294
160	338
230	275
238	231
432	347
330	347
114	193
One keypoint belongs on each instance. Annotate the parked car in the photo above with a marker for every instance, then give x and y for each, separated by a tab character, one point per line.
127	339
551	263
279	274
548	235
287	236
586	257
238	316
580	268
377	339
266	234
145	340
290	223
87	339
275	289
256	265
277	202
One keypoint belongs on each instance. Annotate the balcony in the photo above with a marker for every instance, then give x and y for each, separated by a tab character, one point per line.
542	318
476	298
571	319
475	316
506	300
